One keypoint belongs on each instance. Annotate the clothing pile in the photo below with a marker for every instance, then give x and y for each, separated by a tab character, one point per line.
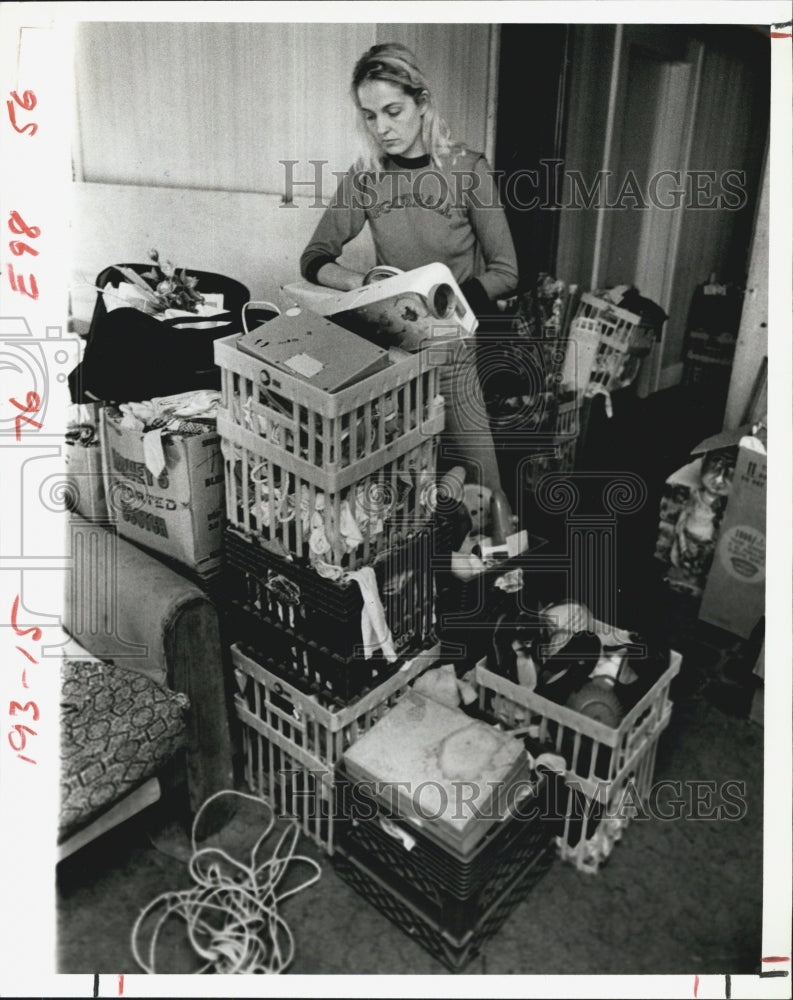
275	497
184	413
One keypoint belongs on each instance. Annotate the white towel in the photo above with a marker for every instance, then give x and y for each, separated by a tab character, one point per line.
374	629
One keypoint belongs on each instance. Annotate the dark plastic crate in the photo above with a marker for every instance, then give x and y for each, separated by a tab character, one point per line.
441	870
455	952
309	666
328	612
419	874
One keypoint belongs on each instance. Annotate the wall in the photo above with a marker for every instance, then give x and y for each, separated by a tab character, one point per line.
180	127
751	348
252	237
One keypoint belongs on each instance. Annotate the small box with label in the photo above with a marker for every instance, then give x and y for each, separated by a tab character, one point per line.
734	597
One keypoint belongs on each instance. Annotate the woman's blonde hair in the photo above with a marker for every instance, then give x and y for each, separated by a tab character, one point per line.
396	64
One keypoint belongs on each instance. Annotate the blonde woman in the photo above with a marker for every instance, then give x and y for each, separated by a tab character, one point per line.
426	200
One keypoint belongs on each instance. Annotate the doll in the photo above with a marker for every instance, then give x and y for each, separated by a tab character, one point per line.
698	523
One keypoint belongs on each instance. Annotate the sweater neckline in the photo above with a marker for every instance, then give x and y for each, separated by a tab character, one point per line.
410	162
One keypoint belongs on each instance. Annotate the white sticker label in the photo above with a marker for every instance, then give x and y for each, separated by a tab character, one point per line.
742	553
304	364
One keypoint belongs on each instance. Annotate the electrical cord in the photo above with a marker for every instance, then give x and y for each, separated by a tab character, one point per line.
232	914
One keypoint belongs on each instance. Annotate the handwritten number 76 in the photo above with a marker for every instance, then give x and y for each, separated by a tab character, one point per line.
32	404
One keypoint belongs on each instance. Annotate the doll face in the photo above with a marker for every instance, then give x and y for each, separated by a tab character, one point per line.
717	472
392	117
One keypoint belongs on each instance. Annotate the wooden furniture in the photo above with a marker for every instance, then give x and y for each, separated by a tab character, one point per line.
147	794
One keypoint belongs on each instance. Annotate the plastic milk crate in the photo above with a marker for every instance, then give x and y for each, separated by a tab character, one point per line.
454	891
607	769
327	473
605	346
292	742
326	610
399	906
309	666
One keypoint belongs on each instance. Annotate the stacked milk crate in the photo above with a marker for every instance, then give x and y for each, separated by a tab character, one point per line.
443	824
330	448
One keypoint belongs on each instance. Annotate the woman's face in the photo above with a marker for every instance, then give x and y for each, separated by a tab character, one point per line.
392	117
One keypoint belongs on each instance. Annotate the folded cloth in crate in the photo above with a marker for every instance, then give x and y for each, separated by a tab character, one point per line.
375	633
118	728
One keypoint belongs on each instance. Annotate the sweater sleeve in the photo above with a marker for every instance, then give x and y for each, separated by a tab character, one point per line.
489	223
341	221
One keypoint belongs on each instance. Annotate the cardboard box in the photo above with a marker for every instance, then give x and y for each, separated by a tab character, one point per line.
83	456
180	513
734	596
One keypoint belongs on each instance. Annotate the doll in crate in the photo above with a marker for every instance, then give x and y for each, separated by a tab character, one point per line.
697	527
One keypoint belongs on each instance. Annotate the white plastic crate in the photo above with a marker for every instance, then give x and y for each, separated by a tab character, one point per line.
605	346
593	826
325	475
380	416
609	767
292	742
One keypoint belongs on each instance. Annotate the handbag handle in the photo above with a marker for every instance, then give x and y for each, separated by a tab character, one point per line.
264	304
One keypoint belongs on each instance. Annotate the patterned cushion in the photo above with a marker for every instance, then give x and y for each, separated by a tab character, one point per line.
118	728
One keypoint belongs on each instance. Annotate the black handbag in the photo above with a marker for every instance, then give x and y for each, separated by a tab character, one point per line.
131	355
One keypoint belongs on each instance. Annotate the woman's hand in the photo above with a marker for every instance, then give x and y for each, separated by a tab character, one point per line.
333	275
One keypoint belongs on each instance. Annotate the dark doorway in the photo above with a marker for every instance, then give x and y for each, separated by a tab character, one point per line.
530	138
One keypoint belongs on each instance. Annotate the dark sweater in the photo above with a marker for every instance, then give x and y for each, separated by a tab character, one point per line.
421	215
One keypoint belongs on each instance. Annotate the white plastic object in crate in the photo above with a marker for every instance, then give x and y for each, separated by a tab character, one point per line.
409	309
292	742
299	459
614	762
605	346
